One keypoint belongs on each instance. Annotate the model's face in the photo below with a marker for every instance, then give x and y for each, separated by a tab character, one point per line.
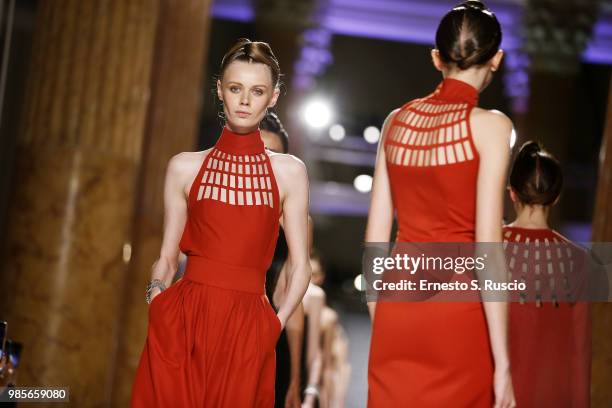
272	141
246	91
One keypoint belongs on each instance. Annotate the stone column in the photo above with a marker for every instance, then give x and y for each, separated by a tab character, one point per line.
74	189
171	127
602	312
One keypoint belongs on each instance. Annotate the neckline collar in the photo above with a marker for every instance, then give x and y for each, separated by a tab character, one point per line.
240	143
455	90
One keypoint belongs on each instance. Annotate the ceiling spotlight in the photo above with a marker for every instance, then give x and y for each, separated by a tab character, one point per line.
363	183
358	283
337	133
371	134
317	114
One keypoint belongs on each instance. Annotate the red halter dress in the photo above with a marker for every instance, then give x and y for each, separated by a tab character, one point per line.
432	354
212	334
550	334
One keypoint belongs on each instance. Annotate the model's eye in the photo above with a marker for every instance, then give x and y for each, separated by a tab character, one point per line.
258	92
234	89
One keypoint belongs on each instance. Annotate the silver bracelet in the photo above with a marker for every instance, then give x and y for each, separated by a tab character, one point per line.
155	283
312	390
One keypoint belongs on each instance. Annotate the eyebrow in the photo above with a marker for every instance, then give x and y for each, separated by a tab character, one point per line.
238	83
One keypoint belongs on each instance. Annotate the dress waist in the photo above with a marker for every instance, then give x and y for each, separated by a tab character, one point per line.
224	275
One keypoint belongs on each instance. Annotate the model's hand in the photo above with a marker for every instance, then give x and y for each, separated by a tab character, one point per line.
502	386
282	321
292	400
154	292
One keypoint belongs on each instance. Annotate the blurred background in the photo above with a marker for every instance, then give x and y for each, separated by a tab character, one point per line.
97	95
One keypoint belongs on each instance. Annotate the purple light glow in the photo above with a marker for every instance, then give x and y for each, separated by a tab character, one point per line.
413	21
598	52
577	232
331	198
233	10
314	57
405	21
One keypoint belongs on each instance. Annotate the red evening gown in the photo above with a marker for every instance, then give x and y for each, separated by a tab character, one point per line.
211	335
550	345
432	354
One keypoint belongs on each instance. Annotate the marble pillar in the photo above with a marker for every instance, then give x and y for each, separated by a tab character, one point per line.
602	312
79	149
171	127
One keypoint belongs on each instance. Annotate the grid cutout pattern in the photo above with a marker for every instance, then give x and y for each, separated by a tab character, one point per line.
237	179
426	134
547	264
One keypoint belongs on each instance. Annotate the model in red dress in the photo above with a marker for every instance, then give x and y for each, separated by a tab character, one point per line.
550	328
441	168
214	331
550	335
432	354
211	335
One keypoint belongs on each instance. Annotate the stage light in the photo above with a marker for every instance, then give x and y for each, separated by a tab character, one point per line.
512	138
358	282
317	114
371	134
363	183
337	132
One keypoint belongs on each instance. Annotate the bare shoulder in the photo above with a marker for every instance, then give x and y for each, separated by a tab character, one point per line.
491	117
184	166
390	116
287	166
314	298
186	160
490	128
315	292
387	122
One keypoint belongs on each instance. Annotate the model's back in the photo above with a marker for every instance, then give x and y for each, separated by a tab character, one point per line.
433	165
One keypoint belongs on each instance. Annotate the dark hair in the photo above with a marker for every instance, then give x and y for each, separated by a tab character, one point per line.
272	123
252	51
468	35
536	176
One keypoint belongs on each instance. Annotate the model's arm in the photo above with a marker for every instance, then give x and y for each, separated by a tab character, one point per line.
178	170
492	131
295	337
380	216
329	329
314	357
292	178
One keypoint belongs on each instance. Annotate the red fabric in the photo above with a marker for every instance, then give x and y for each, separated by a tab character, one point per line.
432	354
211	335
550	347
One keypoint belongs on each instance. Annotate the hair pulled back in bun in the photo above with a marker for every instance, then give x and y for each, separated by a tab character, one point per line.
468	35
536	176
